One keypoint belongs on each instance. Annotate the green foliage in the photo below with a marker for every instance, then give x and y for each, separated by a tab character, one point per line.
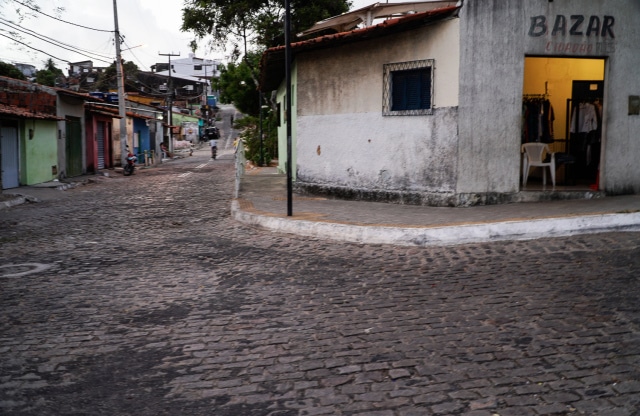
237	85
251	26
8	70
250	134
236	23
50	74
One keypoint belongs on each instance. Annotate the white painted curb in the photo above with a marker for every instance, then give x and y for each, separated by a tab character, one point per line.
445	235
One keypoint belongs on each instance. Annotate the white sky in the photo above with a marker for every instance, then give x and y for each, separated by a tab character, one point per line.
155	24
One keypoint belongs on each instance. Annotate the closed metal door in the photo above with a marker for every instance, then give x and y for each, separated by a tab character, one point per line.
100	139
10	157
74	147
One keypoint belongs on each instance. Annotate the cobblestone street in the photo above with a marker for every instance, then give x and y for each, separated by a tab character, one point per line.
141	296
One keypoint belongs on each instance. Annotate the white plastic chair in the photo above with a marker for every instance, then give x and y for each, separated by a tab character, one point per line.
533	156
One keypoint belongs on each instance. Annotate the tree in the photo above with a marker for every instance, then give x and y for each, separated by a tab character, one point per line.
239	24
50	75
8	70
237	85
249	27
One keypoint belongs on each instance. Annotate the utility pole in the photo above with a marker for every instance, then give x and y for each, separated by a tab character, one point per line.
207	85
122	112
170	100
261	131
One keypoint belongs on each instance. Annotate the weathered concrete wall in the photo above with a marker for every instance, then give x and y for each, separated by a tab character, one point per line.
342	138
496	35
491	71
620	166
349	151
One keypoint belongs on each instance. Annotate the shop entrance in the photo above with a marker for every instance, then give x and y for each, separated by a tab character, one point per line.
562	106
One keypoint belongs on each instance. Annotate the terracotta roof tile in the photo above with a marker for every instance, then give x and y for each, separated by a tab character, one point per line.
272	64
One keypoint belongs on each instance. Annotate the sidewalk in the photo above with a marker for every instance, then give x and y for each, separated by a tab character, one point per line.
263	202
44	191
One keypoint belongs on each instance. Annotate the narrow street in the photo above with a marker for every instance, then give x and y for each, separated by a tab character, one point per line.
141	296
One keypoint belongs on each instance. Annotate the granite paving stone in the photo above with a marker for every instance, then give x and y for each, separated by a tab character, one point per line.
156	302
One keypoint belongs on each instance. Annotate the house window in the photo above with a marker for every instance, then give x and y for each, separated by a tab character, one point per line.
197	67
408	88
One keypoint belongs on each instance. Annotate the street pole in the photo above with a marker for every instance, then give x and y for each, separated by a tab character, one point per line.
170	100
122	112
261	133
287	65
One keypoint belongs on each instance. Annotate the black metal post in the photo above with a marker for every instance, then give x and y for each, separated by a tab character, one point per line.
287	41
261	133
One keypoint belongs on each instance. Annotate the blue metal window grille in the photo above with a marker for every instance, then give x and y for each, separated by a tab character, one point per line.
408	88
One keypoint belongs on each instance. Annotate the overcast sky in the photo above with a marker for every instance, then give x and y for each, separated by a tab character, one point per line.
155	24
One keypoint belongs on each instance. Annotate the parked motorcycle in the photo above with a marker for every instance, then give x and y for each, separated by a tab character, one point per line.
130	167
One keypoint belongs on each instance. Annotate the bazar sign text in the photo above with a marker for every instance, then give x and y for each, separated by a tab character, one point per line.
568	32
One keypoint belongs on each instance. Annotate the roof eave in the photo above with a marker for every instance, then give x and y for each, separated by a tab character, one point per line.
272	64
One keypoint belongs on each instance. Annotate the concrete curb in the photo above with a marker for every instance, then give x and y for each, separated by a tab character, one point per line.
19	199
445	235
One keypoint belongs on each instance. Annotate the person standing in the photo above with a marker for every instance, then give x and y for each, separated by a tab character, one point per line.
213	142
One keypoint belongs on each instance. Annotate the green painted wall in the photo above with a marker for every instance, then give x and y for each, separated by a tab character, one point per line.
282	129
38	151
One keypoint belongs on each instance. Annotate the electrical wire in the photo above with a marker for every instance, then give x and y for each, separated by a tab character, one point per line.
14	26
31	47
60	20
55	42
134	55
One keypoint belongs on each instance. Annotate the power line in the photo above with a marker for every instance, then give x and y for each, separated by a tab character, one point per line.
31	47
134	55
60	20
55	42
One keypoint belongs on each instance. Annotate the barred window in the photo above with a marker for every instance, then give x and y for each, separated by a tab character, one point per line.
408	88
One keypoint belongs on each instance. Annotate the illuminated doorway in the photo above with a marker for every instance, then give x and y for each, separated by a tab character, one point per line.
563	100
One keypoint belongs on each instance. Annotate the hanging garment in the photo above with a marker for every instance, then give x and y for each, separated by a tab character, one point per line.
538	117
587	119
547	118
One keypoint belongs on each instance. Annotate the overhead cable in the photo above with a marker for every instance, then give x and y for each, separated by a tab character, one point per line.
31	47
55	42
134	55
60	20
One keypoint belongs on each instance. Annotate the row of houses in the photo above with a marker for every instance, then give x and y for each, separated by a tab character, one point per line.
432	104
49	133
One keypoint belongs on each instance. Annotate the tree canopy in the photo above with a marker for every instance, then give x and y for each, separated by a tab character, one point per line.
244	25
50	74
236	84
8	70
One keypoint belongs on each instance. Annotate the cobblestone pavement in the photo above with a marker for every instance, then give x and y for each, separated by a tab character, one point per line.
140	296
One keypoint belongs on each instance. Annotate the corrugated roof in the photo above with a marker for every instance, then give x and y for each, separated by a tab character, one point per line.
272	64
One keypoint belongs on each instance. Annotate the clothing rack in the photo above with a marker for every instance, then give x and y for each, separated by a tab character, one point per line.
538	115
